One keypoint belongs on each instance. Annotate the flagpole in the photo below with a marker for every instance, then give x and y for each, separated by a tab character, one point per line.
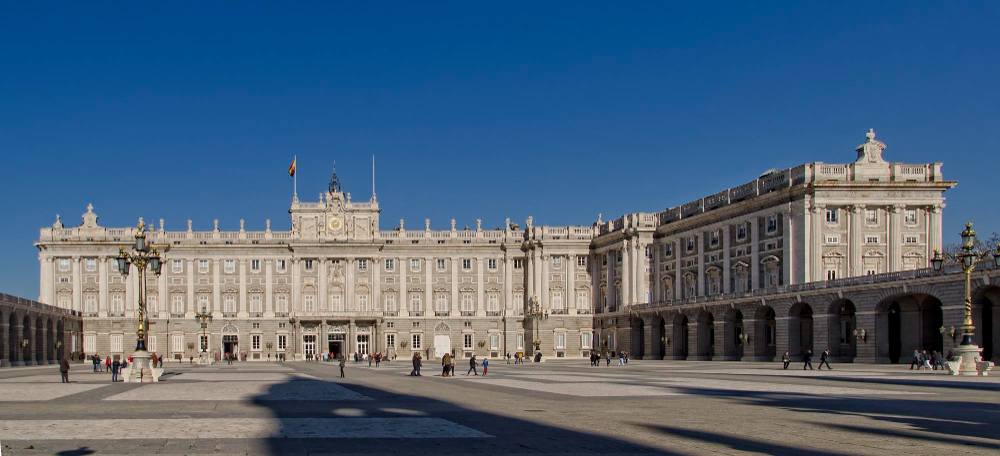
295	179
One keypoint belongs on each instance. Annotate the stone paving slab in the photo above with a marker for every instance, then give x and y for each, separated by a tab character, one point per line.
235	428
240	391
235	376
35	392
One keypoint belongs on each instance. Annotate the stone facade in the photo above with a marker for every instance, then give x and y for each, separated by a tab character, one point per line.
337	282
36	333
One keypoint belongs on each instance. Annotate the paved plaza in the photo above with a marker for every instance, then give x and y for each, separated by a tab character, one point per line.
560	407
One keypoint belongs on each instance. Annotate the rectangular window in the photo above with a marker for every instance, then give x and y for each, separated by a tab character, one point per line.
871	216
415	305
556	262
255	325
832	239
177	266
282	264
65	302
229	302
255	303
90	305
118	304
520	341
255	265
870	272
440	265
415	341
390	340
466	264
871	239
582	300
585	339
416	324
390	302
713	238
282	342
831	274
518	263
176	304
64	264
230	266
518	299
557	300
362	265
203	266
282	303
910	217
390	264
390	324
493	302
690	244
440	302
255	342
910	239
581	262
363	302
203	303
91	264
831	216
491	264
90	343
309	265
560	340
668	249
116	343
151	343
467	302
772	224
611	340
177	343
309	303
494	341
467	340
415	264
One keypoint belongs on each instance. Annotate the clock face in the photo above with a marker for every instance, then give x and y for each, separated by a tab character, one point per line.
335	224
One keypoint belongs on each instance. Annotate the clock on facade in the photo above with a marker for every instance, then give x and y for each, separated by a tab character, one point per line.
335	224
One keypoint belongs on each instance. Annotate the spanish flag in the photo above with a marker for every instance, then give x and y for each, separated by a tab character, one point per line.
291	169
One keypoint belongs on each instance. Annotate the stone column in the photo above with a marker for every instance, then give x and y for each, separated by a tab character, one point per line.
130	283
719	341
895	241
4	339
18	331
454	304
296	288
867	348
788	247
190	286
216	286
781	344
815	241
44	343
508	286
480	304
102	294
754	253
77	285
657	275
678	264
161	291
543	294
33	342
268	288
570	297
352	337
242	305
321	300
854	263
626	275
727	267
403	299
377	265
700	239
642	277
692	342
350	284
428	286
750	351
47	280
647	339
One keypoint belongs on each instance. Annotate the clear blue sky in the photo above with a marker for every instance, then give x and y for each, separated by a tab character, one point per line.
556	110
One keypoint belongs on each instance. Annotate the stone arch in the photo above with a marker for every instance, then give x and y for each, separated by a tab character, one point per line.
734	348
906	322
13	338
50	340
706	335
680	337
842	321
638	335
986	318
800	329
61	339
658	337
26	335
766	332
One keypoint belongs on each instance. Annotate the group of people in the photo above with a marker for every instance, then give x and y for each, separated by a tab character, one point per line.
595	357
824	359
112	366
931	361
518	358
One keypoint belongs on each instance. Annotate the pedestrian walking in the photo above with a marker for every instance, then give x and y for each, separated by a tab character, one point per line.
96	360
64	369
936	360
114	370
472	366
445	364
607	359
807	360
107	364
486	365
160	359
926	360
343	361
824	358
916	360
621	358
508	357
786	359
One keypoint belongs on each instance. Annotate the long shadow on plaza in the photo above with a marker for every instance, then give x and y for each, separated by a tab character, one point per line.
930	420
503	434
921	381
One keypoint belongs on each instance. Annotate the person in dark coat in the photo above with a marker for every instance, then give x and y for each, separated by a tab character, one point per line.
472	366
807	360
416	365
343	361
64	369
115	366
824	358
786	359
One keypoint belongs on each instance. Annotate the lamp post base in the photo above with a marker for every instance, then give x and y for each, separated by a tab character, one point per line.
205	359
140	370
969	354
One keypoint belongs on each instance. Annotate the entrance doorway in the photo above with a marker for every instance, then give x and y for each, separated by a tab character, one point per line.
442	345
309	344
231	344
335	343
363	343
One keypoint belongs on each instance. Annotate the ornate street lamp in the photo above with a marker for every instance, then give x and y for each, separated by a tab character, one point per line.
204	318
142	256
535	310
968	349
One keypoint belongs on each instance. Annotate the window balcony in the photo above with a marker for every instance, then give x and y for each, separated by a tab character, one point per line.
416	314
559	312
468	313
392	313
444	313
584	311
90	314
177	315
228	314
492	313
281	314
116	314
256	314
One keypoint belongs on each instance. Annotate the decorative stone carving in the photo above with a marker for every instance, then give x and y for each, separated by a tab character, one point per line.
871	151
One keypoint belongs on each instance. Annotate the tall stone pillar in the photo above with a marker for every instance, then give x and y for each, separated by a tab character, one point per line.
480	304
727	267
455	298
77	303
700	239
18	332
429	287
216	305
895	241
647	339
855	240
295	305
543	294
242	304
190	290
657	275
403	299
750	350
322	280
4	340
268	288
754	253
814	242
719	341
570	302
33	342
103	264
350	285
781	342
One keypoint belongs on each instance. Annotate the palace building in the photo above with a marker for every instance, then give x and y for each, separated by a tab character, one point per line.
338	283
